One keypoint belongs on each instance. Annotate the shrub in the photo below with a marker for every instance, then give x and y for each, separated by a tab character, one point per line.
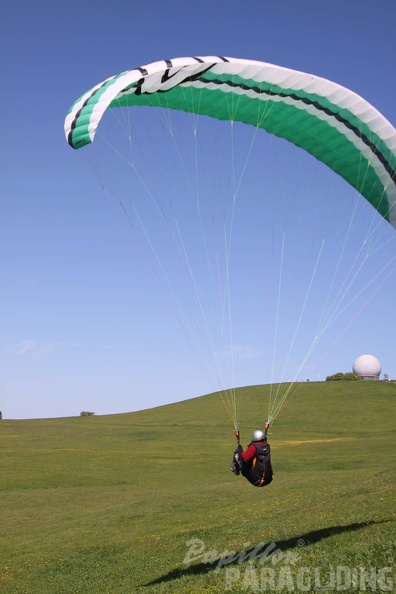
85	413
343	376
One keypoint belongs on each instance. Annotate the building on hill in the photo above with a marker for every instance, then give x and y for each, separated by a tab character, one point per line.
367	366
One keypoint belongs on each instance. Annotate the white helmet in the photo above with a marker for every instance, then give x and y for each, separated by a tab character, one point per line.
258	435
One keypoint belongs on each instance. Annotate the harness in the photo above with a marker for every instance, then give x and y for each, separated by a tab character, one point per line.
259	470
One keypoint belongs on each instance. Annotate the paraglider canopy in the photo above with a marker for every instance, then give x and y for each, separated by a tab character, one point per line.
329	121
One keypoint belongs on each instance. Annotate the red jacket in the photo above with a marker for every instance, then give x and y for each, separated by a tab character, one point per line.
250	452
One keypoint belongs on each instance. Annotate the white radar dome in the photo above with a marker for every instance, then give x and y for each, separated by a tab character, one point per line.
367	366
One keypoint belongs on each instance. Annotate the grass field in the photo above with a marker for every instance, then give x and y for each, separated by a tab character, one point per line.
145	501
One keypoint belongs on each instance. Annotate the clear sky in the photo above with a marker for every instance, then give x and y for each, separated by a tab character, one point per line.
85	324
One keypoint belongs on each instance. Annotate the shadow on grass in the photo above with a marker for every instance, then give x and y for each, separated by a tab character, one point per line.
264	550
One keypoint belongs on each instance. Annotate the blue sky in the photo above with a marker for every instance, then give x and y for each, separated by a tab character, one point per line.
85	324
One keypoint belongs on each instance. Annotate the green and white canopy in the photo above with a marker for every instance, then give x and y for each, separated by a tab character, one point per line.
327	120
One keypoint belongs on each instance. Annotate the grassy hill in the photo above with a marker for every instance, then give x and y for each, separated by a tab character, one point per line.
113	504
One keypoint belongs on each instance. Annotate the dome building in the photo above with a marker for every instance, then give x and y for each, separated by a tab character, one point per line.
367	366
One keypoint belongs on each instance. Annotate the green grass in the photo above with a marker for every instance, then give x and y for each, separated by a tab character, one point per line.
108	504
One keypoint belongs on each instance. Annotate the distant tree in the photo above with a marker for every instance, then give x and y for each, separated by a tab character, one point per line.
1	415
335	377
86	413
343	376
